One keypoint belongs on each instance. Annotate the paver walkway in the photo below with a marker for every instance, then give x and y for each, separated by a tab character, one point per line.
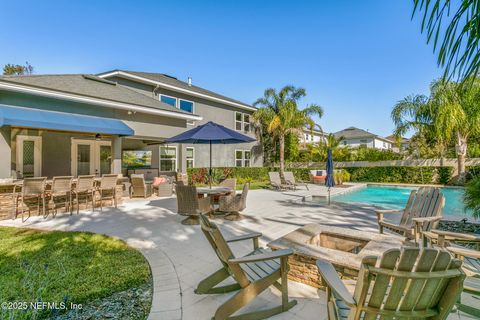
180	256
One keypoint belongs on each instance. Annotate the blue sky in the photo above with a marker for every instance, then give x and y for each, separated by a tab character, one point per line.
355	58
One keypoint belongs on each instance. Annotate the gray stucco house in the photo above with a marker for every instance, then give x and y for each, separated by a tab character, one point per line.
94	124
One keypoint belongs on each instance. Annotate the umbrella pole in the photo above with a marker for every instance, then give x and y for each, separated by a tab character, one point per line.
328	195
210	170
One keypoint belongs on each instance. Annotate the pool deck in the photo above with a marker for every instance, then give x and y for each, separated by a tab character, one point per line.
180	256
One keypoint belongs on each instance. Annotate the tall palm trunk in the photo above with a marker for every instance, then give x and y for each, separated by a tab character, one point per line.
461	148
281	140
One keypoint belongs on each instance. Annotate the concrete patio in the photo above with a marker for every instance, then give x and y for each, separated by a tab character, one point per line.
180	256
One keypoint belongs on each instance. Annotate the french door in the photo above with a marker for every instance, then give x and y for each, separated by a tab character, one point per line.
91	157
29	156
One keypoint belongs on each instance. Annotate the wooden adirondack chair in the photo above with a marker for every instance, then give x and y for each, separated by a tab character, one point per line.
422	213
469	303
408	284
252	273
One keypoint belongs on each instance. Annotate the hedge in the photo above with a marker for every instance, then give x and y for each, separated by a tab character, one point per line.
413	175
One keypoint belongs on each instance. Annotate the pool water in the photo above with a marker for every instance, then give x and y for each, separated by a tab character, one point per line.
397	197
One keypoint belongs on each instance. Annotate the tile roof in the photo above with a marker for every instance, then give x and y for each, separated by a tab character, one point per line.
353	132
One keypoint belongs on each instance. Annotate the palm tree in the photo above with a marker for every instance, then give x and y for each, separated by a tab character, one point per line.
451	114
279	115
453	28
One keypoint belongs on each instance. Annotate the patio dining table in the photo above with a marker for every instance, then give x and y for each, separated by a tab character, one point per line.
214	191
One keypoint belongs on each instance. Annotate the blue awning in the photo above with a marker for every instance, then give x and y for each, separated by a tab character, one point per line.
54	120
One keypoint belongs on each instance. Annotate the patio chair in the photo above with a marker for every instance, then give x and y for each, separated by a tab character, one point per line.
228	183
138	187
290	180
318	176
422	213
188	204
84	188
276	182
253	274
163	185
234	203
107	189
61	193
471	264
407	284
32	189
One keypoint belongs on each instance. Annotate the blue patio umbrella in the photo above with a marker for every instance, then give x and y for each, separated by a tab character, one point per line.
210	133
329	181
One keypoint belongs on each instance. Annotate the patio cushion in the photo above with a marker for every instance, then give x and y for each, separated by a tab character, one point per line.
319	177
158	181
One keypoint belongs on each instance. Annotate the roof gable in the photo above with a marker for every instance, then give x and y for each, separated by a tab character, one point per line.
174	84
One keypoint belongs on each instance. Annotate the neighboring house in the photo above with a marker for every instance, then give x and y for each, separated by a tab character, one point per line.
401	145
85	124
312	136
355	137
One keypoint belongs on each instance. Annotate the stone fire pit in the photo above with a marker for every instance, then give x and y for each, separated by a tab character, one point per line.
343	247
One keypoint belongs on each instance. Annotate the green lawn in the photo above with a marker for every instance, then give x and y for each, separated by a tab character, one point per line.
64	267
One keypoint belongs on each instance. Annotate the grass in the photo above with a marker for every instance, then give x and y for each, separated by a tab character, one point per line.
64	267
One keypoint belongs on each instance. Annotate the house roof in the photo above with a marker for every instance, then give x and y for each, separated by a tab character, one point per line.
92	87
174	84
355	133
402	139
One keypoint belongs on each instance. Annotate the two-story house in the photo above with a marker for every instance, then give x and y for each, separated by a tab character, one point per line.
93	124
355	137
312	136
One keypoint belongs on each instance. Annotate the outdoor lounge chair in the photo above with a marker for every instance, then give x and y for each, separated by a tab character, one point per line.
290	180
253	274
471	264
234	203
188	204
163	186
276	182
407	284
138	187
422	213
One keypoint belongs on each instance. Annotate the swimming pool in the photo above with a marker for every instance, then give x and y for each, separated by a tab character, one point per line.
393	197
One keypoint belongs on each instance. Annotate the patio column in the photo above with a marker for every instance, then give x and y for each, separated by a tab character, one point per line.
116	155
5	151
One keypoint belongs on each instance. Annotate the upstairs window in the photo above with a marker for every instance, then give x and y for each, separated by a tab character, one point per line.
169	100
186	105
242	122
238	121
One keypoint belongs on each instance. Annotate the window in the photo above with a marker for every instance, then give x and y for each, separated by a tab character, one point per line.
186	105
246	122
169	100
242	158
238	121
168	158
344	142
246	158
363	141
242	122
190	157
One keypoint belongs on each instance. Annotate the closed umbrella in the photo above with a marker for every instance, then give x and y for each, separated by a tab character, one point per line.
210	133
329	181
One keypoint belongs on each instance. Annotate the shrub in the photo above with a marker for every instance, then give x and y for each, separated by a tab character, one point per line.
472	196
444	174
420	175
